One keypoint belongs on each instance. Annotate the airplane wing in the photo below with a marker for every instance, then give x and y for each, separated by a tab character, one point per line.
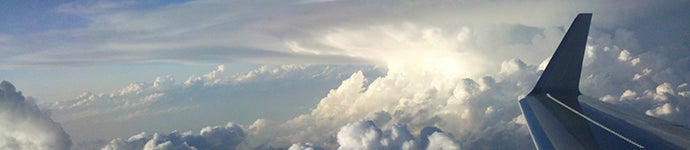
560	117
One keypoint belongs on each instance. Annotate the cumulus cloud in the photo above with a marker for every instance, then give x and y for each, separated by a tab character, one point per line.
447	67
304	146
649	81
424	88
360	135
365	135
24	126
481	110
420	92
280	90
441	141
216	137
435	79
357	135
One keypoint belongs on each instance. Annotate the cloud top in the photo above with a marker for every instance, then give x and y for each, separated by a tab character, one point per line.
24	126
211	137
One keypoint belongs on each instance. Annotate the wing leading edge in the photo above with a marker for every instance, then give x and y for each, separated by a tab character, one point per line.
560	117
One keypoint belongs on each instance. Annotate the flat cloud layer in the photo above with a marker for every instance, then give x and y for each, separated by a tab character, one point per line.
24	126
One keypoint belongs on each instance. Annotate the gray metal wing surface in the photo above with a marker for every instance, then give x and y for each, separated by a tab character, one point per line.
560	117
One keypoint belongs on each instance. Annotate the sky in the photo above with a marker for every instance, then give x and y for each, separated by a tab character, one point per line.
204	74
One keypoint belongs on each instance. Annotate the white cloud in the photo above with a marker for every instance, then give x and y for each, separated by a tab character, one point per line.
216	137
664	88
360	135
607	98
480	110
628	95
142	94
441	141
24	126
460	67
468	108
661	110
425	87
365	135
280	90
624	55
426	84
646	81
304	146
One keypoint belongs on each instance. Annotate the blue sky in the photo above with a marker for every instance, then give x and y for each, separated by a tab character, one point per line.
24	19
61	83
296	72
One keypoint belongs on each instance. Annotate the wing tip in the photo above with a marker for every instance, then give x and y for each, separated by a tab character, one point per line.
562	74
587	16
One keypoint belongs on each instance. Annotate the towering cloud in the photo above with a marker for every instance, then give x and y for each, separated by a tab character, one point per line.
24	126
429	87
459	68
434	81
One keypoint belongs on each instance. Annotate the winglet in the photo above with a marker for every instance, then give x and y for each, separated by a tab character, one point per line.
562	75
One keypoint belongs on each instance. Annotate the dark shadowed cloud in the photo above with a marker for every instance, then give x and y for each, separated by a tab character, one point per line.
24	126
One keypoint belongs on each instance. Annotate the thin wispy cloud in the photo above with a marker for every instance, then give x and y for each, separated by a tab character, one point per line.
268	31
